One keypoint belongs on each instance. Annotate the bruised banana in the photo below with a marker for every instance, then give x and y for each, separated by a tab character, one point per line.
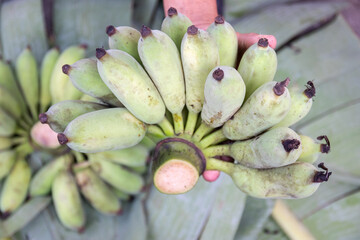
226	40
312	149
42	181
7	160
267	106
67	201
131	85
62	113
175	26
85	77
103	130
7	124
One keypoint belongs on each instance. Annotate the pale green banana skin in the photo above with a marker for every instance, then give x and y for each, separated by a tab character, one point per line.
88	98
98	194
120	195
261	111
161	60
199	54
311	150
61	87
266	150
257	66
131	85
7	160
175	27
132	157
67	201
227	42
62	113
222	98
9	103
42	181
104	130
7	124
5	143
85	77
117	176
28	76
15	187
47	66
126	39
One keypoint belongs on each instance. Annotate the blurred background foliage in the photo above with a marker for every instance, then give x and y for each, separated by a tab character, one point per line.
317	40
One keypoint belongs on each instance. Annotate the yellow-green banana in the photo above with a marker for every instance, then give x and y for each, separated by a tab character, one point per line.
312	148
7	124
7	160
121	195
5	143
9	103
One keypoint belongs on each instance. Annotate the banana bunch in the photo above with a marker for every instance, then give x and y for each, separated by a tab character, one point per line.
177	91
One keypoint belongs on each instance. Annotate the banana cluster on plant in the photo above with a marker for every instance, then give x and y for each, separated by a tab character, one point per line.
154	80
104	179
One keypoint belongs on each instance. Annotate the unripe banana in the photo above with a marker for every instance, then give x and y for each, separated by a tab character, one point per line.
9	103
103	130
67	201
312	149
120	195
15	187
62	113
117	176
161	60
61	87
7	124
5	143
125	39
267	106
131	85
88	98
226	40
47	67
199	54
301	102
8	81
258	66
27	74
297	180
224	94
42	181
7	160
98	194
85	77
175	26
275	148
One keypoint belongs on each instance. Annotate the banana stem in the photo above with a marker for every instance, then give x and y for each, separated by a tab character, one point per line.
201	132
289	223
79	157
155	133
21	132
178	123
166	126
219	150
213	138
191	123
24	149
215	164
18	140
28	119
24	124
148	143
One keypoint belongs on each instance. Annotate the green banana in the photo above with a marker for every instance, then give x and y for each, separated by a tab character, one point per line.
88	98
121	195
5	143
7	124
27	74
226	40
267	106
47	67
7	160
9	103
140	170
131	85
301	102
297	180
312	149
8	81
62	113
161	60
15	187
199	54
42	181
85	77
103	130
175	26
61	87
224	94
67	201
258	66
124	39
98	194
117	176
275	148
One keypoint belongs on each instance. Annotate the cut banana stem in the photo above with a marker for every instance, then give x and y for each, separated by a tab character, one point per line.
297	180
219	150
177	165
311	148
191	123
178	123
203	130
212	139
167	127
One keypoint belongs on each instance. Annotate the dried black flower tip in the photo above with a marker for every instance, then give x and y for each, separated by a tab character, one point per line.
280	87
263	42
322	176
310	90
324	148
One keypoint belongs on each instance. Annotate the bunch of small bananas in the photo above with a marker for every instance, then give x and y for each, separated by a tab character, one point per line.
149	77
105	179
